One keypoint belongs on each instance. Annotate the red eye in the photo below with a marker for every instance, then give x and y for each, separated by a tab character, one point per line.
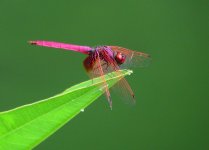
120	58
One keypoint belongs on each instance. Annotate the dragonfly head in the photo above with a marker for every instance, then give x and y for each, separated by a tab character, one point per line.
120	58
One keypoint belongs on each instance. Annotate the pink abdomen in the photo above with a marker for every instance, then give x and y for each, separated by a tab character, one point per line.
77	48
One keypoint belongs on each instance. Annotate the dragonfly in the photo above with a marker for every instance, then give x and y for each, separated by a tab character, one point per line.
101	60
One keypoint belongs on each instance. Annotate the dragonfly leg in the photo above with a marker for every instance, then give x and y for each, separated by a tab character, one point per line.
110	102
92	80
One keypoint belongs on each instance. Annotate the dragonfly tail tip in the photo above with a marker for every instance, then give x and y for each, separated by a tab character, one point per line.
32	42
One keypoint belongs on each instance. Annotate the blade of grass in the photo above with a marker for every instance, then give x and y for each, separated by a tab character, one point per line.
25	127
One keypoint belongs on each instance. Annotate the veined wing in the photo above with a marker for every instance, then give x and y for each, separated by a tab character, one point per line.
122	88
95	69
133	58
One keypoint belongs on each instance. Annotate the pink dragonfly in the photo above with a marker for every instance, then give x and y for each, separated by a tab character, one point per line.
104	59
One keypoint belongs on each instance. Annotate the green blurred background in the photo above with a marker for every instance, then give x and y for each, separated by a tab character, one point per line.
172	110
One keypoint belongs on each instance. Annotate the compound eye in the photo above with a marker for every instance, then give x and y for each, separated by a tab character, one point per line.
120	58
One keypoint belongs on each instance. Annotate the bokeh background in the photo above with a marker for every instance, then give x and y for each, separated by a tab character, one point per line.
172	109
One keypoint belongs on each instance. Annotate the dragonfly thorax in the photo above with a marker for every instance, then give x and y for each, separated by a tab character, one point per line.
105	53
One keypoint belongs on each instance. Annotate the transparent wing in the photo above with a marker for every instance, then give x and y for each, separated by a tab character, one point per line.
122	87
100	67
133	58
96	70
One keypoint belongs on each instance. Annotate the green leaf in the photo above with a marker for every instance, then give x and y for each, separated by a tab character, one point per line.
25	127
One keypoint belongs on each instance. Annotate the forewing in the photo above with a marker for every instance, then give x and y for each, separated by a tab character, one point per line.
100	67
96	70
122	88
